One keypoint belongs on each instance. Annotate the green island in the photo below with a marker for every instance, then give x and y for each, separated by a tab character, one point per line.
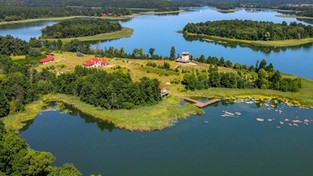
252	32
225	8
123	33
85	30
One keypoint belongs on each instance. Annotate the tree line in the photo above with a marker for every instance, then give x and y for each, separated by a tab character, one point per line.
108	90
15	13
80	28
261	76
251	30
17	159
34	49
299	10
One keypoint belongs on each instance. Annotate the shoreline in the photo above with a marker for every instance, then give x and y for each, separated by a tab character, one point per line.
294	16
161	13
160	116
123	33
96	17
63	18
278	43
146	118
221	10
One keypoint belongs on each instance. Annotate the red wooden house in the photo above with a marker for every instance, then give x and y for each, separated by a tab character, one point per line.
95	62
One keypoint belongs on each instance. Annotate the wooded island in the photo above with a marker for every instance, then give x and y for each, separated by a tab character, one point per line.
253	32
80	28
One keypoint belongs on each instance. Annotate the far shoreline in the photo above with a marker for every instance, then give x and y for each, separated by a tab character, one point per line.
277	43
225	11
114	18
63	18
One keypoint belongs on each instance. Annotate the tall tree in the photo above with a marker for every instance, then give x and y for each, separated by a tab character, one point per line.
172	53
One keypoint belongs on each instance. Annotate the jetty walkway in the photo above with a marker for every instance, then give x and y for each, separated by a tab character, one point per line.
199	103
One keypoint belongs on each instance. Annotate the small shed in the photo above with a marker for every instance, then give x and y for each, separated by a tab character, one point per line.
164	91
79	54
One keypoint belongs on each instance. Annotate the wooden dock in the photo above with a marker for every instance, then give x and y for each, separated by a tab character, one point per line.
199	103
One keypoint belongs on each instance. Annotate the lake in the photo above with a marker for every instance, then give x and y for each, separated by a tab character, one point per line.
160	32
214	143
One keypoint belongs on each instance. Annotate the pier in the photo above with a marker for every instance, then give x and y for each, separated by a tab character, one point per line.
199	103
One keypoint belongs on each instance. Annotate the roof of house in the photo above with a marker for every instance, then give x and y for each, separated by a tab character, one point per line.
185	53
49	58
94	61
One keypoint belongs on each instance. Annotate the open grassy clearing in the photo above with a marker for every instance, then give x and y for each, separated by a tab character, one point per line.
124	33
278	43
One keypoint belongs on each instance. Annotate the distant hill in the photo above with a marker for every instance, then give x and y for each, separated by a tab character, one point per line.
260	2
90	3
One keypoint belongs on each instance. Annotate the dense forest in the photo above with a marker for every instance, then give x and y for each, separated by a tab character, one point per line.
251	30
299	10
17	159
261	76
108	90
246	2
225	6
12	13
158	4
80	28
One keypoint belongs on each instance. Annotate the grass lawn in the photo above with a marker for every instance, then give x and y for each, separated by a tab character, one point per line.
124	33
278	43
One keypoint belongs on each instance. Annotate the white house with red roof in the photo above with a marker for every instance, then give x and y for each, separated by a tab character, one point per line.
48	59
96	62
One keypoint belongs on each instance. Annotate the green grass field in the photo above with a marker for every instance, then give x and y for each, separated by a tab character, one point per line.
124	33
278	43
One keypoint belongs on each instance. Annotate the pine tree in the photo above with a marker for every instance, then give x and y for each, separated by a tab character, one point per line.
4	105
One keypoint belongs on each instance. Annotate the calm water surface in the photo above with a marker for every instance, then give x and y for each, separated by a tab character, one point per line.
159	32
209	144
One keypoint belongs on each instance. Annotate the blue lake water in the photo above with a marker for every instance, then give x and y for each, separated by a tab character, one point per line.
159	32
208	144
